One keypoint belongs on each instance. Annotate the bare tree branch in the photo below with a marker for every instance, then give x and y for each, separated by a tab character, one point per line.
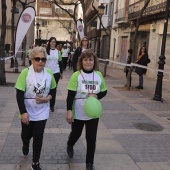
62	3
25	3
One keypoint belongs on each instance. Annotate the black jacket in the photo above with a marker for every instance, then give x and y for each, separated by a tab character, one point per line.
76	55
144	60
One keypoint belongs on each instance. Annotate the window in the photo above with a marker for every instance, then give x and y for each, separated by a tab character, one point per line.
46	11
44	23
106	10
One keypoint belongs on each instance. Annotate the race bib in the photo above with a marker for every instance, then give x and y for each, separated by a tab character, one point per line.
86	88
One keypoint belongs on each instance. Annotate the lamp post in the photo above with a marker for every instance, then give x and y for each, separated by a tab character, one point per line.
37	27
14	11
73	37
158	90
100	13
39	37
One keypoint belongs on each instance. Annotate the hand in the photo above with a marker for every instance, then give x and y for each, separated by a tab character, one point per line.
25	118
41	99
61	75
69	117
93	95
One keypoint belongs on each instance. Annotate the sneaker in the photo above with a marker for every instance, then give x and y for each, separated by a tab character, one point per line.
36	166
52	109
139	87
90	166
70	151
25	150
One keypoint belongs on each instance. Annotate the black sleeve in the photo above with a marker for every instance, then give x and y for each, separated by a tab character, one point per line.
70	98
20	101
60	65
75	59
52	92
100	95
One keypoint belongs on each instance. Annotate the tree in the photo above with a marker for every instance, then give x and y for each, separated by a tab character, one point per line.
75	3
2	43
137	26
134	39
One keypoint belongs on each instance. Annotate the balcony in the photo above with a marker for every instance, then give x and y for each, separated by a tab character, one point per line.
120	16
135	9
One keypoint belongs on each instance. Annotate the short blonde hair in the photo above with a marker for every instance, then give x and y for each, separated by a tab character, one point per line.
36	50
87	54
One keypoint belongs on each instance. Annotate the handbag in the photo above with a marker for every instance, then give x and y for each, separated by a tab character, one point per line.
139	70
124	70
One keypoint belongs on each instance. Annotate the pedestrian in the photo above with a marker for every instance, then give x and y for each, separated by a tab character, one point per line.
143	59
35	87
54	63
84	43
70	60
28	53
65	52
78	91
128	61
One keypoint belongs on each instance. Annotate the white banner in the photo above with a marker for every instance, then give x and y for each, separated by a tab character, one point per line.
24	22
80	29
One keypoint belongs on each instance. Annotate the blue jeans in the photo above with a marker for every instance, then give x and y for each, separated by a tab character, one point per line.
141	80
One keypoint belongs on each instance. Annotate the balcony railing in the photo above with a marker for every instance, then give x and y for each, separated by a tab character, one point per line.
135	9
120	16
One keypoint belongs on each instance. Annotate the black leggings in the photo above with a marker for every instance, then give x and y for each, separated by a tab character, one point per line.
64	60
57	77
34	129
91	133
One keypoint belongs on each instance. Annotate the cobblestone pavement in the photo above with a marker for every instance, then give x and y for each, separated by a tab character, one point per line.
120	145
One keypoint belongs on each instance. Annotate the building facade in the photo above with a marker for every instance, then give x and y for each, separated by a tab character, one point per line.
150	31
52	21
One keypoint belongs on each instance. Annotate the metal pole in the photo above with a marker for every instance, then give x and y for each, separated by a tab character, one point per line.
13	38
158	90
98	50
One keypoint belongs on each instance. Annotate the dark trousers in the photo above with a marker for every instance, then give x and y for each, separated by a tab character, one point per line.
130	76
35	130
56	77
70	64
64	60
91	133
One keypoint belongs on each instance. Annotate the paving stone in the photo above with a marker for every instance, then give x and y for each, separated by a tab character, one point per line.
146	148
124	120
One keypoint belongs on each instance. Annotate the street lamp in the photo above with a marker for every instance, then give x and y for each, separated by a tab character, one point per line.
38	39
100	13
158	90
73	33
14	11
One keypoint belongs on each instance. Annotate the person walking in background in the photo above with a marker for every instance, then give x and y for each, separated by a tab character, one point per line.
28	53
84	44
128	61
54	63
65	52
143	59
77	94
58	47
35	87
70	56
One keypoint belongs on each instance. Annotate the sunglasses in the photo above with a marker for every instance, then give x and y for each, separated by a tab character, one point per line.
84	40
37	59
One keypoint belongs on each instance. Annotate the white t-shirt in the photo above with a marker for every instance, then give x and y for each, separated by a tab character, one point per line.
65	52
25	83
52	61
84	84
